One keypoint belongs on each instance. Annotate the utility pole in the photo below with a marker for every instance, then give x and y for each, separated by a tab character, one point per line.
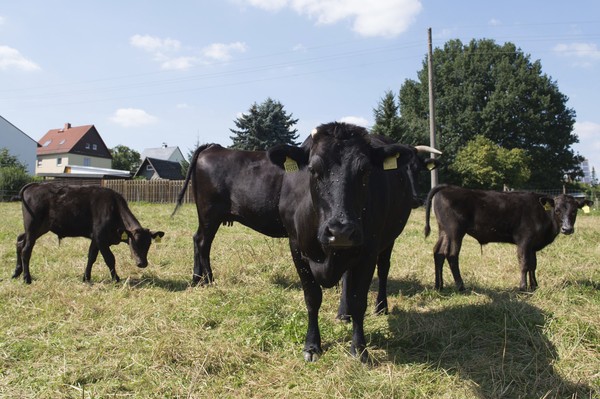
432	141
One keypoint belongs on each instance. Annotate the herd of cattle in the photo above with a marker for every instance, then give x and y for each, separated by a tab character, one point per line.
341	198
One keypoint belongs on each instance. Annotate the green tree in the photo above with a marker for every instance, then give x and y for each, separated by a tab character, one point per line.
495	91
124	158
484	164
387	118
13	175
263	126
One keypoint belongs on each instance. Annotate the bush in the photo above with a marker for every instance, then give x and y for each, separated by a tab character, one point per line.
12	178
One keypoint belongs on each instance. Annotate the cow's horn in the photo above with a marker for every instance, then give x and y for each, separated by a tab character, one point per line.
426	148
313	132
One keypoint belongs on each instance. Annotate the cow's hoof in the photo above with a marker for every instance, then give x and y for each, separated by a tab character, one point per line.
311	356
461	288
344	318
361	353
381	309
27	280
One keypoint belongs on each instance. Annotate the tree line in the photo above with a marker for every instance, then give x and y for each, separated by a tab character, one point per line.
500	120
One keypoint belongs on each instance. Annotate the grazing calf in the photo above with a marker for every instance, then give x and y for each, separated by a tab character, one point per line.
97	213
529	220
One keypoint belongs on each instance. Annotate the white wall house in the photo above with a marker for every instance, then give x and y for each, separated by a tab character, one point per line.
18	144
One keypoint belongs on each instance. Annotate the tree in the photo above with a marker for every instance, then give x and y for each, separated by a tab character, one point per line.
263	126
124	158
13	175
387	118
495	91
185	164
484	164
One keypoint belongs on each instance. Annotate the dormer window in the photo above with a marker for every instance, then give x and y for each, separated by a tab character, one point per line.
47	143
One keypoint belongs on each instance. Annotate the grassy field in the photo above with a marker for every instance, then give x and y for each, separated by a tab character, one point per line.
155	336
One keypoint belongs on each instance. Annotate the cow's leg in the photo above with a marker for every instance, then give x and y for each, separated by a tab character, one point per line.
439	256
357	293
109	258
343	312
528	264
383	270
92	256
28	244
313	296
455	245
203	240
19	267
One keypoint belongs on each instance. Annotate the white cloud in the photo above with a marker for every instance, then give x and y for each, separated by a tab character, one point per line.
585	53
132	117
356	120
223	51
2	20
178	64
11	58
387	18
154	44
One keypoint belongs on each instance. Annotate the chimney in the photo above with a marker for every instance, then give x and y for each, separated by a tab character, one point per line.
164	145
67	126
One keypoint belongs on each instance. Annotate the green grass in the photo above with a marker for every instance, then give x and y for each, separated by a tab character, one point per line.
155	336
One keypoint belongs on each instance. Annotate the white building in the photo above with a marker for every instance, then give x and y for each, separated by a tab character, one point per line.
18	144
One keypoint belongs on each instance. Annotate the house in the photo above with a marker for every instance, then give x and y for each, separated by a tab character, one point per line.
71	146
164	152
18	144
154	169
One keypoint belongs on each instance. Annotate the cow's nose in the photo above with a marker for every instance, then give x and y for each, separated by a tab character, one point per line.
567	230
342	235
142	264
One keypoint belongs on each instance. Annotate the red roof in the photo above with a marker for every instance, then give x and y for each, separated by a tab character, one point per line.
58	141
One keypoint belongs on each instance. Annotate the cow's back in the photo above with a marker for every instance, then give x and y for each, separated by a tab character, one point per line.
70	211
243	185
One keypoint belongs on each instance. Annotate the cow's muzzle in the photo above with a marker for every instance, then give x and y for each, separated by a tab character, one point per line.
341	234
142	264
567	230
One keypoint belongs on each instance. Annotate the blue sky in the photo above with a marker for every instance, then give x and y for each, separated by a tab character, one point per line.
148	72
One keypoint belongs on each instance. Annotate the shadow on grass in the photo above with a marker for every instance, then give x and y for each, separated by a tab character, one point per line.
500	346
165	284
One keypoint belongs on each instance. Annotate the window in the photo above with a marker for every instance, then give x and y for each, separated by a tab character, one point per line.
46	143
58	161
39	163
94	147
87	146
149	167
87	161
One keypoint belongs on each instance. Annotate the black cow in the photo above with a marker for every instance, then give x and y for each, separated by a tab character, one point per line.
341	210
529	220
244	186
97	213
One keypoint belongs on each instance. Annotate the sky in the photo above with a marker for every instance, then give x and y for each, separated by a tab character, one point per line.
148	72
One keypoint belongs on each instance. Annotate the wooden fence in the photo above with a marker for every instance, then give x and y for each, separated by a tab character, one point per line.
161	191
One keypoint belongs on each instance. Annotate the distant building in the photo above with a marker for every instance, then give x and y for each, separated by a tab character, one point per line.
164	152
71	146
18	144
587	171
155	169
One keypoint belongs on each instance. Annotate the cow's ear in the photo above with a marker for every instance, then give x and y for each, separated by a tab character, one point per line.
385	156
285	156
547	203
157	235
584	202
124	235
431	163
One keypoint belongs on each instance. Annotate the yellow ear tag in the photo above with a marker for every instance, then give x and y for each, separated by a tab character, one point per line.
586	209
430	166
124	236
390	162
547	207
290	165
157	239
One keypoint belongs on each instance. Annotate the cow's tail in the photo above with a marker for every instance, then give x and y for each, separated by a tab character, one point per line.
189	175
20	197
428	203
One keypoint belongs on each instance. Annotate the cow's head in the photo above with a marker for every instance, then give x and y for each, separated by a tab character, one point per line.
340	158
564	209
414	168
139	241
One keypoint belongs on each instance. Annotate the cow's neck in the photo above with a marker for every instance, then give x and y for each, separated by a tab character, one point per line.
129	220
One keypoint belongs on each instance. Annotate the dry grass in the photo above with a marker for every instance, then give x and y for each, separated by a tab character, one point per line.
153	335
